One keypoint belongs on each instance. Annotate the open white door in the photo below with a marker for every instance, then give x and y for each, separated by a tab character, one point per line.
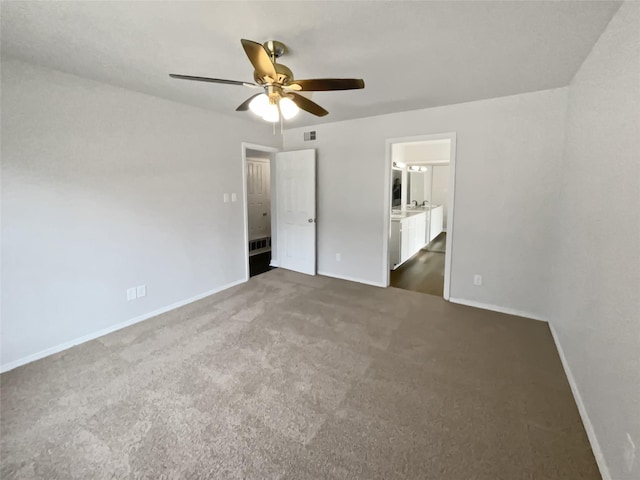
296	210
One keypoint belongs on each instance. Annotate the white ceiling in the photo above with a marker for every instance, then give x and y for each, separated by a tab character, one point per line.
411	54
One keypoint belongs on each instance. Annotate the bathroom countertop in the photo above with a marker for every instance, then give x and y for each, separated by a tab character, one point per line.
410	212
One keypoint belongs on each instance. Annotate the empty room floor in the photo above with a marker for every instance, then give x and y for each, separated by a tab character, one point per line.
295	377
424	272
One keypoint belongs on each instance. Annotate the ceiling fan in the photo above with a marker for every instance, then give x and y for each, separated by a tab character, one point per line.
279	100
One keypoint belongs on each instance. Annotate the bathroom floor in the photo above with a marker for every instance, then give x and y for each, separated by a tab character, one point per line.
424	272
259	263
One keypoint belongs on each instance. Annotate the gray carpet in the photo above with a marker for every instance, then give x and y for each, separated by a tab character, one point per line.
296	377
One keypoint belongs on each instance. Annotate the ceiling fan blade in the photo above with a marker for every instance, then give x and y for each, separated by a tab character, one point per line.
260	59
213	80
305	104
244	106
326	84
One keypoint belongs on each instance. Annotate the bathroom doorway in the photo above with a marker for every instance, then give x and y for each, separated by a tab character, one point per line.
259	201
420	218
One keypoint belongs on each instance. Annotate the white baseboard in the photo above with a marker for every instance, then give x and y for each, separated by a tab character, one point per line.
497	308
588	426
92	336
352	279
273	263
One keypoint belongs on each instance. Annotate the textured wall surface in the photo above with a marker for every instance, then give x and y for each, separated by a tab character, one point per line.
508	154
596	305
105	189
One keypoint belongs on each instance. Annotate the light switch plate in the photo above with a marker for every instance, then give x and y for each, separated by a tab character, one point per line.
234	197
131	294
225	198
141	291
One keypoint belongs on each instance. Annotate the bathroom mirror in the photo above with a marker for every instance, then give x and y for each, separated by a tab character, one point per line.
396	188
417	187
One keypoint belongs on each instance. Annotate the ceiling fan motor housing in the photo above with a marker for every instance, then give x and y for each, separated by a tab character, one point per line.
285	75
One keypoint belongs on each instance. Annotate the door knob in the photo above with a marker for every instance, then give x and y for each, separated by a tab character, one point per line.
311	220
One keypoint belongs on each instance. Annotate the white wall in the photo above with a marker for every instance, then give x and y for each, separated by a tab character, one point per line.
105	189
508	152
428	153
425	152
596	306
428	180
440	189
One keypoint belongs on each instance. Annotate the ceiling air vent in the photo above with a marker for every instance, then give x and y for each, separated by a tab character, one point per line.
309	136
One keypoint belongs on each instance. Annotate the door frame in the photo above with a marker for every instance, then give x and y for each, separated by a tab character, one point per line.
245	208
386	238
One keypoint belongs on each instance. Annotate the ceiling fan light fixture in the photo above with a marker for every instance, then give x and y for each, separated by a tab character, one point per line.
259	104
270	113
288	108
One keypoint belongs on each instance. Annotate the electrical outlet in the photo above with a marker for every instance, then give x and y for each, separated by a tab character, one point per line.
131	294
338	257
477	279
141	291
629	453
